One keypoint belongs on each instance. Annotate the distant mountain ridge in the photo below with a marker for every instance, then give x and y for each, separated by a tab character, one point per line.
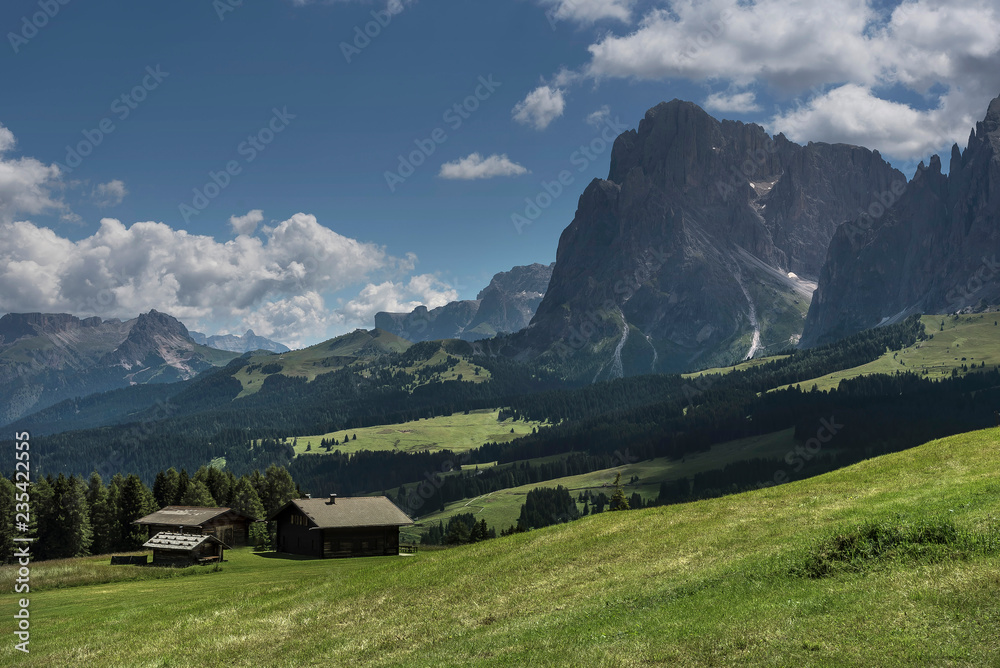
239	344
45	358
932	249
507	304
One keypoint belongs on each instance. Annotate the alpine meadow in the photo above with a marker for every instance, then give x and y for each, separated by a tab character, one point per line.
540	333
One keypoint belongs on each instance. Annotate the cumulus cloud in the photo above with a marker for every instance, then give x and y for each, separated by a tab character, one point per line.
121	271
295	320
246	224
737	102
426	289
109	194
26	184
599	117
475	166
541	106
854	115
588	11
828	58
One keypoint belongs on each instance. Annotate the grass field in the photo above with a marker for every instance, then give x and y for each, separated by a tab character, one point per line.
457	432
711	583
968	340
500	509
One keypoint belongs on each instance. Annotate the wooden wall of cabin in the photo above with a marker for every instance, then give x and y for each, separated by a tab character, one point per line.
297	538
361	542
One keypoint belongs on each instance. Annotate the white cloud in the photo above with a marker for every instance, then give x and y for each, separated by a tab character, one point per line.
425	289
853	115
475	166
7	140
599	117
295	321
246	224
26	184
589	11
121	271
109	194
738	102
542	106
825	55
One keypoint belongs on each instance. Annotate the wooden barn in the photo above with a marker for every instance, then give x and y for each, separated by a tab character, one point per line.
229	526
363	526
184	549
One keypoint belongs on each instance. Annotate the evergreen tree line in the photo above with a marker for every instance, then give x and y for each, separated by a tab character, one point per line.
73	517
461	529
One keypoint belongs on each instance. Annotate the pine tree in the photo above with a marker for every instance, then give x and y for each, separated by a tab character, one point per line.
246	501
8	494
165	487
198	495
618	500
135	501
279	488
102	515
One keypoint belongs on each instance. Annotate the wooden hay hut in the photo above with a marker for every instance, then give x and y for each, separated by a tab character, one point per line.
228	525
185	549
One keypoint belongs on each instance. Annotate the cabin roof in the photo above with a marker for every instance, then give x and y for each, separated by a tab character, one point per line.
181	542
187	516
351	511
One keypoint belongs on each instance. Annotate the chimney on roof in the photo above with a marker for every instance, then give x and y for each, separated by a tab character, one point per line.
309	496
333	499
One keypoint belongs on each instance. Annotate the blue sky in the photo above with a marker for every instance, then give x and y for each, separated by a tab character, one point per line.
308	117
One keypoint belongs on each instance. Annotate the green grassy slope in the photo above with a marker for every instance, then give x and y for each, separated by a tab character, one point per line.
967	340
501	509
320	358
458	433
700	584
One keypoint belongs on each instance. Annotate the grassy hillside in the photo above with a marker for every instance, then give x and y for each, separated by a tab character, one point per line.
966	340
500	509
711	583
458	433
320	358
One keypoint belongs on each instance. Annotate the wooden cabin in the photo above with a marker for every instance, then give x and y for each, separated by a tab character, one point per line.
185	549
363	526
229	526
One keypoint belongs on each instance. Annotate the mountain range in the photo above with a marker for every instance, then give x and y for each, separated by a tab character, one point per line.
506	305
928	248
699	249
45	358
239	344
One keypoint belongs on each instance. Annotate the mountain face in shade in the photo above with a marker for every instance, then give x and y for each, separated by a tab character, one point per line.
933	250
45	358
239	344
505	305
698	249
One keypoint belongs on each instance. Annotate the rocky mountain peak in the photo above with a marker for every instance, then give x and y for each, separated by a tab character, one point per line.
932	251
